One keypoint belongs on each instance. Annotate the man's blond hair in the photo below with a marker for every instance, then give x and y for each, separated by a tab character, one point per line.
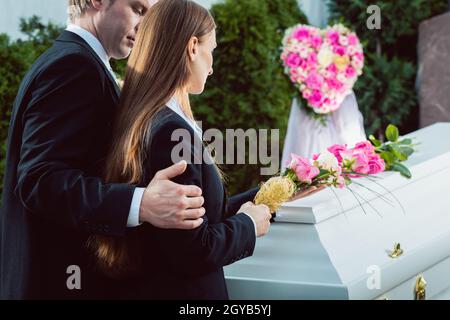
76	8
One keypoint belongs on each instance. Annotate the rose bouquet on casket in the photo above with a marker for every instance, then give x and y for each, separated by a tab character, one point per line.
337	167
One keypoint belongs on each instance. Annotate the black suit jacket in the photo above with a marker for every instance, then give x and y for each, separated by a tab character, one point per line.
59	134
180	264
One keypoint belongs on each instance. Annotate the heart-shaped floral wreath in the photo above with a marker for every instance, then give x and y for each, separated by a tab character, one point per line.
323	64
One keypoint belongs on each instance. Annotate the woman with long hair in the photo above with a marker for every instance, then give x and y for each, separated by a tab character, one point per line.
172	58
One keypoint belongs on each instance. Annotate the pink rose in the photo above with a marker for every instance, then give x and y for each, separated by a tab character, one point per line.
304	64
357	161
303	168
307	94
312	59
376	164
332	68
301	33
361	164
334	84
365	146
336	150
316	98
339	50
350	72
316	42
333	36
314	81
359	56
352	39
293	60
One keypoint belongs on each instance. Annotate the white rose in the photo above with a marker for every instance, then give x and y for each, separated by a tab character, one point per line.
351	50
304	53
328	161
340	77
343	41
325	57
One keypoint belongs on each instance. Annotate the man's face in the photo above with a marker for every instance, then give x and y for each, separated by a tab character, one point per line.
118	23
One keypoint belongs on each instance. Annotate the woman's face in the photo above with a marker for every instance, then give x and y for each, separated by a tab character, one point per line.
200	53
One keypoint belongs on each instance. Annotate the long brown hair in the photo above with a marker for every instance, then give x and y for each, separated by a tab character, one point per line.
157	69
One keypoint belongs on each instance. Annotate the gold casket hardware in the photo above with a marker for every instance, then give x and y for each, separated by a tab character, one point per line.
420	288
397	252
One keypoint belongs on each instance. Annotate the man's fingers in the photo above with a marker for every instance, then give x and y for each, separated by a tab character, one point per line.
190	224
193	214
189	191
195	203
172	171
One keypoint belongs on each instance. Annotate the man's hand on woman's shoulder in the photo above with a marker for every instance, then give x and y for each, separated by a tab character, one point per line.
168	205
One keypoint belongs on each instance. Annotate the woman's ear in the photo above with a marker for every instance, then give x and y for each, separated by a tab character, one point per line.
193	49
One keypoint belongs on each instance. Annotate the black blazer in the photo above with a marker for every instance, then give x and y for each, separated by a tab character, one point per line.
59	134
183	264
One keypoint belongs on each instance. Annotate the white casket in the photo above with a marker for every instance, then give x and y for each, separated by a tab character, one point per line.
333	246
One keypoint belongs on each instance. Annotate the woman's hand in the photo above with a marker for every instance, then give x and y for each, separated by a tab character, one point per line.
306	193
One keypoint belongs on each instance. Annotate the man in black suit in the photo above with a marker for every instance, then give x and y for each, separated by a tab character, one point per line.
60	131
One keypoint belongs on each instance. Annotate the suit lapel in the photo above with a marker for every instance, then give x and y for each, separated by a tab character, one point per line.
68	36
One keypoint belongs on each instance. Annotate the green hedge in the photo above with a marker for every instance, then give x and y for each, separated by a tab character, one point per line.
248	88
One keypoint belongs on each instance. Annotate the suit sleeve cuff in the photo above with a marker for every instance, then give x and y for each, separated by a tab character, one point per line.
133	216
254	223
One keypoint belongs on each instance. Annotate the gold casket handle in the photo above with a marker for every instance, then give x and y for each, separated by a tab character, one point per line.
397	252
420	288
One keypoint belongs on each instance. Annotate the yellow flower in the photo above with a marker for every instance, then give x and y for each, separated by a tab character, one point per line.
341	62
275	192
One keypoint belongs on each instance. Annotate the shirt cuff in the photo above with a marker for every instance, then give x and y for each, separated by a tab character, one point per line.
133	216
254	223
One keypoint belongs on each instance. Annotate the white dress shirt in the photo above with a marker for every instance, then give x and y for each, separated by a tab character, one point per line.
175	107
94	43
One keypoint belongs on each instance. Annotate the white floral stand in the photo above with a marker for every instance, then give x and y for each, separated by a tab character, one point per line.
306	136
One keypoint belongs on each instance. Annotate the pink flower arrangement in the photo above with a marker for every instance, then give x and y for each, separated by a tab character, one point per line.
336	166
323	64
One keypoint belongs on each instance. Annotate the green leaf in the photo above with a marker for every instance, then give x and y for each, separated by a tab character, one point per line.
408	151
398	153
388	157
392	133
404	171
405	142
377	143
